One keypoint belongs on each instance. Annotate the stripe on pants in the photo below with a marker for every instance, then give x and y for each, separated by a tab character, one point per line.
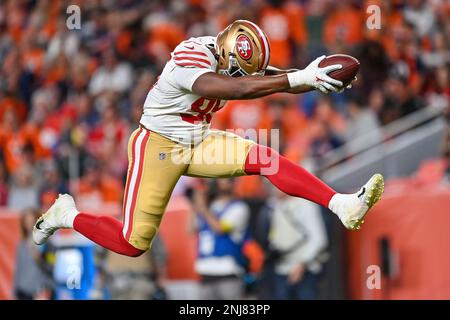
134	136
138	154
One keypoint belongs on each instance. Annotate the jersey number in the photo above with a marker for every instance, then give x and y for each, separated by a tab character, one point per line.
205	108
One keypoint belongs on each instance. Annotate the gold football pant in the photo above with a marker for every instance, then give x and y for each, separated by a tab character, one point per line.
155	165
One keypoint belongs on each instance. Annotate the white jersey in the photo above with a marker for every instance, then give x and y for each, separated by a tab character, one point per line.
171	109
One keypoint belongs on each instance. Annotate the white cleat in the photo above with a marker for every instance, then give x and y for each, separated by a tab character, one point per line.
60	215
352	208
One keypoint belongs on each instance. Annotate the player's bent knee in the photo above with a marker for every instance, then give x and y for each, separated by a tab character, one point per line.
142	236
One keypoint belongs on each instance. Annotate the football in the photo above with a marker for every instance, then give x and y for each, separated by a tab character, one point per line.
350	67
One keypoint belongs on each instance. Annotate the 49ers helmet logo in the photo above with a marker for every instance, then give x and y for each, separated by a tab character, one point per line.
244	47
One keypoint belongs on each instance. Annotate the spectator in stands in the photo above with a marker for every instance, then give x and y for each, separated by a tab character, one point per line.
51	185
63	41
113	76
296	241
420	14
24	190
342	26
107	140
97	186
401	100
363	129
374	67
32	279
439	56
223	226
284	24
437	88
324	140
4	187
158	263
11	141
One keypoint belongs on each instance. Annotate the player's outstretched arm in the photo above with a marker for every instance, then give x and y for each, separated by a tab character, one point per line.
273	71
216	86
212	85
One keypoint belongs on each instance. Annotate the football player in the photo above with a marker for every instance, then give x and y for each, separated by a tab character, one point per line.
174	139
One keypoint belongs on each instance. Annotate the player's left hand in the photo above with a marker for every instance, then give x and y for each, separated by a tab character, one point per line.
347	87
316	77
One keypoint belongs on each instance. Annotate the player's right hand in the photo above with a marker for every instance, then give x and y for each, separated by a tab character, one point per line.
316	77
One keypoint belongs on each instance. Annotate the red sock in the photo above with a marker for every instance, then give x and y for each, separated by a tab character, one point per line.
105	231
289	178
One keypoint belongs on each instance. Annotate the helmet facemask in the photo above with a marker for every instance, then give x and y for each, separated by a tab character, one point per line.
234	69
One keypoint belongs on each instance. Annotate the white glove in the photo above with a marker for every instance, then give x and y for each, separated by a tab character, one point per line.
316	77
349	86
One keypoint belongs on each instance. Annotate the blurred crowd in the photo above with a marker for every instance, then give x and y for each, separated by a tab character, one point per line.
70	98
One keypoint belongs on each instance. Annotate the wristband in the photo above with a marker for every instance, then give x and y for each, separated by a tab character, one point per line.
296	78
